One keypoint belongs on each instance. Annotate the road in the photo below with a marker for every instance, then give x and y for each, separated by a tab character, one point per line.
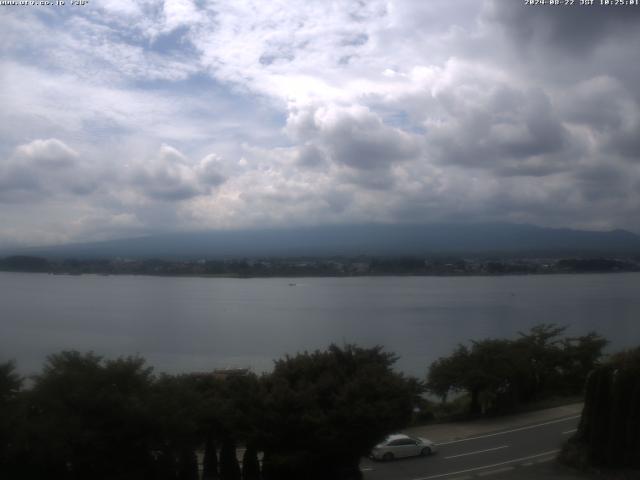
480	456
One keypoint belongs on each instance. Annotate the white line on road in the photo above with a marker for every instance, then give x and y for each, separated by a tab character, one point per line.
495	472
477	451
544	460
528	427
550	452
570	431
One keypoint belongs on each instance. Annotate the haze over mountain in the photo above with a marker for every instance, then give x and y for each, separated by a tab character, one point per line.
364	239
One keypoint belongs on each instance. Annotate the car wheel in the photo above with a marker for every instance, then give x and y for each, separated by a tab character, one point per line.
387	457
426	451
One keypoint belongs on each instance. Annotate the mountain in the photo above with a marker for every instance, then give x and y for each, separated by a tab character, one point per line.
369	239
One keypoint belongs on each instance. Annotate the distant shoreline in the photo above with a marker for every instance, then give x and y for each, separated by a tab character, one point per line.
364	275
321	267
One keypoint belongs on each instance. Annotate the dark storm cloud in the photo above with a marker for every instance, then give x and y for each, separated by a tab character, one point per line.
508	131
627	143
560	47
597	102
605	182
610	111
574	30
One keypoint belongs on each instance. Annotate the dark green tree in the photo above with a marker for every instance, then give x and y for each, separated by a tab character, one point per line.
499	374
446	375
177	406
487	372
188	464
542	349
580	356
10	382
210	460
10	386
609	430
325	410
86	418
229	466
250	464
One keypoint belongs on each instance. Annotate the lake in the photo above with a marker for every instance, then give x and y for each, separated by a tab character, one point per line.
197	324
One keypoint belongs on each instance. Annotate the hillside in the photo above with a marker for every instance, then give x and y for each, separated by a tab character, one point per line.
373	239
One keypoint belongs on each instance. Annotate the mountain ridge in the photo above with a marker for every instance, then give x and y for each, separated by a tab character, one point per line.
372	239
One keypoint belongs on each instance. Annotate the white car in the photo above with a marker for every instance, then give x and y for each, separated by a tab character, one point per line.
400	446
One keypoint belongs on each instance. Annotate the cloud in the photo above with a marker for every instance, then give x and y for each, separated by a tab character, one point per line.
168	176
353	136
43	168
311	156
509	131
51	153
559	47
574	30
179	13
182	114
607	109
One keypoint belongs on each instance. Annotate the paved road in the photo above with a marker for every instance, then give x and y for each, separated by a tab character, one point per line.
482	455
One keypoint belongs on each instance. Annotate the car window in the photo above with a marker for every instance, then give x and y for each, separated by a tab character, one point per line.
402	441
396	443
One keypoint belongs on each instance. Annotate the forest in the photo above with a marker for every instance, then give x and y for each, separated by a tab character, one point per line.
315	415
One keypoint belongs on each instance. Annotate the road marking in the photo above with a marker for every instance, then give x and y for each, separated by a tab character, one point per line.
570	431
367	469
544	460
495	472
477	451
528	427
550	452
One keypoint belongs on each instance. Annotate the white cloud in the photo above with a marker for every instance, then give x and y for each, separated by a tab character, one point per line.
353	136
168	176
179	13
43	168
180	114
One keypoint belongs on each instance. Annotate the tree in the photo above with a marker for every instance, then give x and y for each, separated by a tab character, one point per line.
250	464
609	431
542	349
499	374
210	460
581	355
10	386
86	418
188	464
229	467
326	409
487	372
491	376
176	406
230	411
446	374
10	382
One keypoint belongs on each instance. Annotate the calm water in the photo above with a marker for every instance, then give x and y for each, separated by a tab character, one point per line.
196	324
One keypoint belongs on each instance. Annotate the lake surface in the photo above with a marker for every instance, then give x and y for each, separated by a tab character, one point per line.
197	324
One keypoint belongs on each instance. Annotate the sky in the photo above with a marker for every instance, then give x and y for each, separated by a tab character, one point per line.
126	118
